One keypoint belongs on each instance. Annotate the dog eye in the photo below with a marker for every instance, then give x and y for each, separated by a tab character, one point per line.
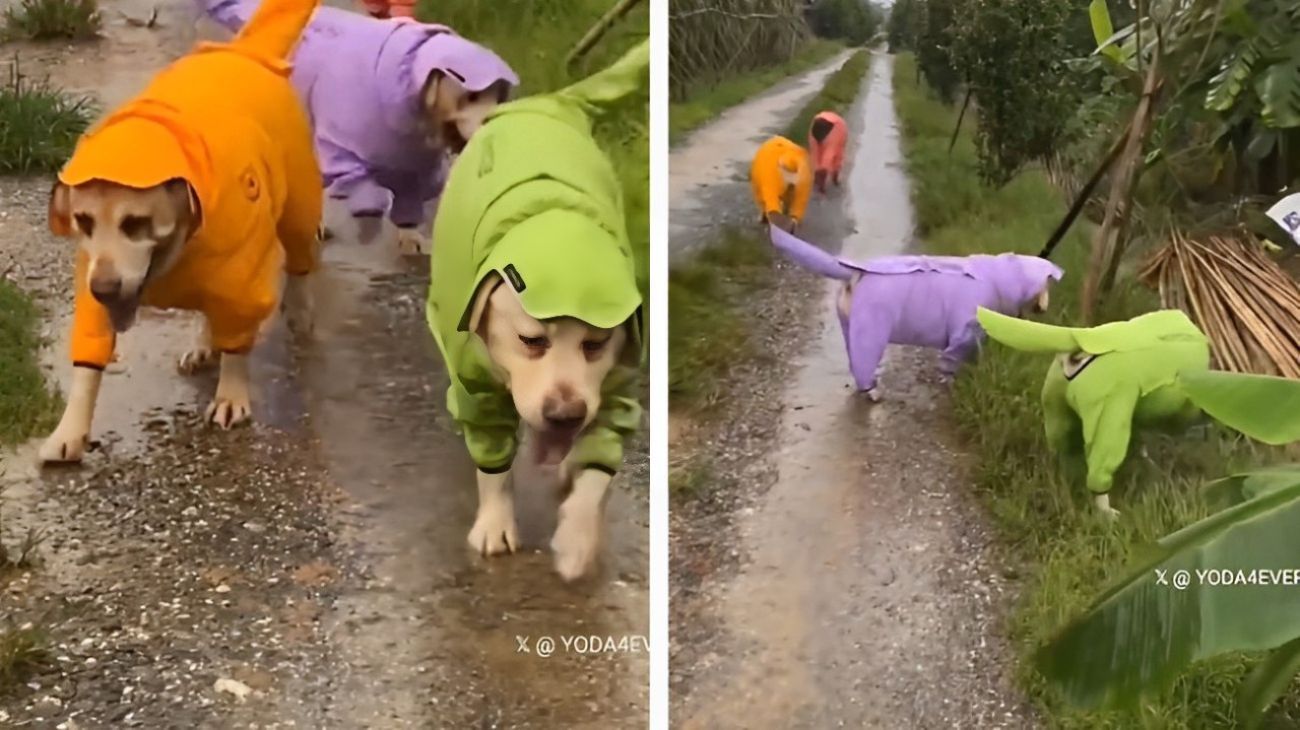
136	227
85	223
534	341
591	346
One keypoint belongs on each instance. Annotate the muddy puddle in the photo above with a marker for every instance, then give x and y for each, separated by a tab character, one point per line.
863	599
318	557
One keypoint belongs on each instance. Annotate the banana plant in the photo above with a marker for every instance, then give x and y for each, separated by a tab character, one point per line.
1228	583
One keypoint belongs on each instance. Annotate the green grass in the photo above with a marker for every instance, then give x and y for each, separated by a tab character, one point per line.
706	103
1048	528
534	37
707	326
27	405
46	20
39	124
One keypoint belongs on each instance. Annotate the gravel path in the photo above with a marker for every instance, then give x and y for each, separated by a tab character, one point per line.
838	574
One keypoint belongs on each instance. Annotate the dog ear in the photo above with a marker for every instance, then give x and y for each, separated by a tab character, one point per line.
189	215
477	319
60	209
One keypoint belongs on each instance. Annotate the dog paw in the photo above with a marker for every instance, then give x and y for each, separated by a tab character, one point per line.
229	411
494	530
63	446
576	542
411	243
195	360
1107	513
872	395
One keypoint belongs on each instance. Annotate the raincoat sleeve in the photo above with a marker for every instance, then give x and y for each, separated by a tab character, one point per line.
488	420
601	446
1107	427
350	179
92	331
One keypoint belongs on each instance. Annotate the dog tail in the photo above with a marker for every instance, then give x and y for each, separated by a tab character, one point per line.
229	14
808	256
627	75
274	28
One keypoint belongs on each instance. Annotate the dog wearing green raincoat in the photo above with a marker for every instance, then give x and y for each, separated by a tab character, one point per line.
534	304
1107	379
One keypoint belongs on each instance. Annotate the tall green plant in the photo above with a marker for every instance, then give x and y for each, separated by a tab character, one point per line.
1227	583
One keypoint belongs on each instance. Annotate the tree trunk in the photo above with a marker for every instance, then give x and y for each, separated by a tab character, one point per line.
1105	251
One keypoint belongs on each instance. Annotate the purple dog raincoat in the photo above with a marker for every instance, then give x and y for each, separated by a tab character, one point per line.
924	301
361	80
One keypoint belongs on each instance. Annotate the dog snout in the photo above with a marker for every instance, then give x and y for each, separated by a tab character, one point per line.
105	283
562	414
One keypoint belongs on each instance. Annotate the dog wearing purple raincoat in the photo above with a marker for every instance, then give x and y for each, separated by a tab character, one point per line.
389	103
923	301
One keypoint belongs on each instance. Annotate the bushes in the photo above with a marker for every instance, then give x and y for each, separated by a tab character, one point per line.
855	21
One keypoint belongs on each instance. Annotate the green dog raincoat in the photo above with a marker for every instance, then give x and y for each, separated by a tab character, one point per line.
1110	377
534	199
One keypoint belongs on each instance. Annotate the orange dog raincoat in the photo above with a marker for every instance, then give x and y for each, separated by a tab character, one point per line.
226	120
781	179
826	139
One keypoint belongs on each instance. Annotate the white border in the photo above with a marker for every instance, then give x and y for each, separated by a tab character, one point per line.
658	364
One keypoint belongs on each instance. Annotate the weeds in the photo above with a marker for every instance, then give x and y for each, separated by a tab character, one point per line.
706	104
44	20
39	125
22	652
1049	530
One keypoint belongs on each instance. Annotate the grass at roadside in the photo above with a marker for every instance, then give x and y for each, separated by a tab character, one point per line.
1048	528
27	404
39	124
707	327
706	104
46	20
534	37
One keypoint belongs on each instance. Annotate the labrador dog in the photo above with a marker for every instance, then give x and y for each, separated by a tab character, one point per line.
534	305
226	201
390	102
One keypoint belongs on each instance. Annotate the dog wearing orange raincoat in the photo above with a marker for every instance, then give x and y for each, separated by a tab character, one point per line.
826	139
198	194
781	178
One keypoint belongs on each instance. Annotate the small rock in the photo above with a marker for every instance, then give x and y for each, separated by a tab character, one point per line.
234	687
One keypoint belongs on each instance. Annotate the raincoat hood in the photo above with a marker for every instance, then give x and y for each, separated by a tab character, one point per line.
1141	332
475	67
548	219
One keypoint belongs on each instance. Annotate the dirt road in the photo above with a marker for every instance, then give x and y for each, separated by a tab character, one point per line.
319	557
859	593
708	173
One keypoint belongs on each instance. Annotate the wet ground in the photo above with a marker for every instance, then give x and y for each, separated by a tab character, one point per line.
709	179
318	558
854	588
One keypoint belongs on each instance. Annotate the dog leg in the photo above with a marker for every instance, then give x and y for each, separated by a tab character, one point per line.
231	405
494	530
410	242
68	442
297	304
201	356
577	538
1104	509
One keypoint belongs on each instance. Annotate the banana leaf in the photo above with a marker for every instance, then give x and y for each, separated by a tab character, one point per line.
1266	683
1263	407
1103	29
1143	632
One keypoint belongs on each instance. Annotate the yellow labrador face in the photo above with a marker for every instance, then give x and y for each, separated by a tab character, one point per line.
454	113
130	235
554	369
